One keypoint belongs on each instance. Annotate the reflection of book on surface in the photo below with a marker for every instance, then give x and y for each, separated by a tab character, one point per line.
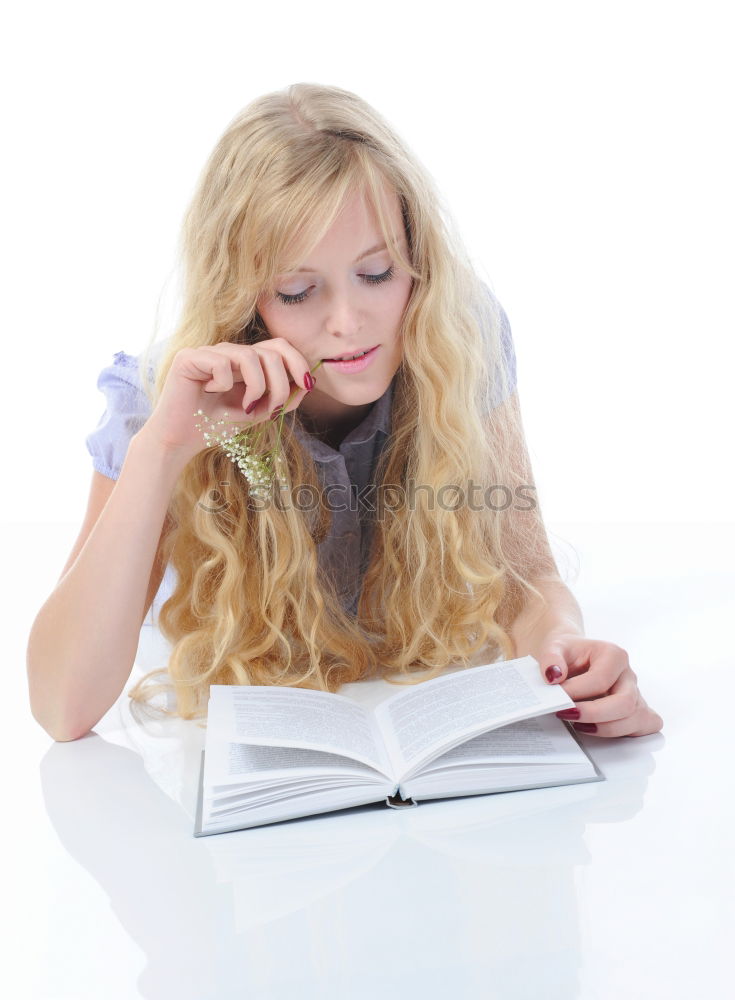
277	753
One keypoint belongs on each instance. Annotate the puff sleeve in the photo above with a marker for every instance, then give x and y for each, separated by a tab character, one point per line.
494	316
509	354
127	410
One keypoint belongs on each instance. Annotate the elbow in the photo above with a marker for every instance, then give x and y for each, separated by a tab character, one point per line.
47	706
66	733
62	737
66	694
59	731
67	738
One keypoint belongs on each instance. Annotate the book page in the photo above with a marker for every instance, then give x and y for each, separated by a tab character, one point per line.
236	766
293	717
536	741
435	716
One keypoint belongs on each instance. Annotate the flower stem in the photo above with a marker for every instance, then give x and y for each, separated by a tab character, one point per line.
243	446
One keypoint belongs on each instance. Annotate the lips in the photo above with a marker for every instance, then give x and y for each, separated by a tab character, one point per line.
348	355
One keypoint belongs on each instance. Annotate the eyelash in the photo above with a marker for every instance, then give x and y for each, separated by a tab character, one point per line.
369	279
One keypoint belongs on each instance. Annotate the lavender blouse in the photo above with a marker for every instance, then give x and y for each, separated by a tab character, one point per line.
345	472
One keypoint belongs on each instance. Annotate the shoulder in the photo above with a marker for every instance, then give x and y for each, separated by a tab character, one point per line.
133	370
494	314
500	349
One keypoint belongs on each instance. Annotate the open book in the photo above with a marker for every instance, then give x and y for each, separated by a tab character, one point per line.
276	753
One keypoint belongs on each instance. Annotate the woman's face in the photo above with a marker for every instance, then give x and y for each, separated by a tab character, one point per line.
340	302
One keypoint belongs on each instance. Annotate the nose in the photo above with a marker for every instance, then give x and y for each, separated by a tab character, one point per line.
343	314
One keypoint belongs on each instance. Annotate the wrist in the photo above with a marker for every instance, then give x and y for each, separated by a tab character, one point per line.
170	459
544	633
540	622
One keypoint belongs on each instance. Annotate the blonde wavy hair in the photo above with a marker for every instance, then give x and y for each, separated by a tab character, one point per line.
251	604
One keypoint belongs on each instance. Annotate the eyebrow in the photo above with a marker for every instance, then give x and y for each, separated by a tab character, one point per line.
365	253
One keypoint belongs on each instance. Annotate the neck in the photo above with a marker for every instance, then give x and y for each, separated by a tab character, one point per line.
328	419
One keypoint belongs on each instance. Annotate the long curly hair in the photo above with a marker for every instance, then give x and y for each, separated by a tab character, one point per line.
251	603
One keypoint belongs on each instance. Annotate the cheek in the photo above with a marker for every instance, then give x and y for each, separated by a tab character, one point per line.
399	300
290	328
265	316
278	322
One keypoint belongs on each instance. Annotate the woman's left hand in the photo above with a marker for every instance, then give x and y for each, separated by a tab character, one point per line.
599	679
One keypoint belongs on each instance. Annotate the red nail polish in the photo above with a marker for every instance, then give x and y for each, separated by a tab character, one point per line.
569	713
308	381
552	674
585	727
276	413
249	409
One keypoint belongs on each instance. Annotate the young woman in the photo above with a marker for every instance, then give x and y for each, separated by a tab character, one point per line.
402	531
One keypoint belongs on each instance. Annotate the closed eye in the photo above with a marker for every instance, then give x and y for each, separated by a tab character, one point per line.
369	279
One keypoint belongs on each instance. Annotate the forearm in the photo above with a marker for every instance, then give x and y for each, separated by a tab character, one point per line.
83	642
537	621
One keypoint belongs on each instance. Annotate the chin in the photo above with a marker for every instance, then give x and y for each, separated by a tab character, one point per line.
358	397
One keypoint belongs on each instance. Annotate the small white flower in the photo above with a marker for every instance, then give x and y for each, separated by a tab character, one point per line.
241	445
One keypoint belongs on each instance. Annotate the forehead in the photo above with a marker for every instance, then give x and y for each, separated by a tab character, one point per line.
355	230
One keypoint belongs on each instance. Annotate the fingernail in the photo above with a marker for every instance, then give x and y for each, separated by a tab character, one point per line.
309	381
585	727
552	674
569	713
249	409
276	413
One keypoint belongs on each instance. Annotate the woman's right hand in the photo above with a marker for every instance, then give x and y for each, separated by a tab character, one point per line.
225	378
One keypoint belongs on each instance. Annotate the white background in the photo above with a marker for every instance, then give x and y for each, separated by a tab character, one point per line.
585	151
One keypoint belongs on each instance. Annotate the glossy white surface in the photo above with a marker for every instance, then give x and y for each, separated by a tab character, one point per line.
622	888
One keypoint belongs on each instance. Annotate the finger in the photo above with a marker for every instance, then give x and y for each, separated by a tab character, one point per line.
607	662
566	656
652	723
643	722
276	377
209	367
296	364
621	702
280	366
246	366
580	652
553	661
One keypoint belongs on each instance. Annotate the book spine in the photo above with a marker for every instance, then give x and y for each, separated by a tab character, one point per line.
396	801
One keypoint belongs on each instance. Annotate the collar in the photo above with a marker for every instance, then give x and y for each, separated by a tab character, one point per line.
377	420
